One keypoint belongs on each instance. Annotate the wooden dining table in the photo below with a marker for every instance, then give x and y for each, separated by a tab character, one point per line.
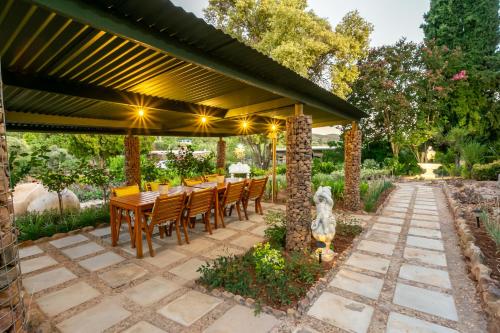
142	202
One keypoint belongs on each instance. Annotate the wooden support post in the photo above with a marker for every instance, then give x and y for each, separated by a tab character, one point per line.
132	160
274	138
221	154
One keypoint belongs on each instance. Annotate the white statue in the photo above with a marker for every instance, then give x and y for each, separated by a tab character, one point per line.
323	226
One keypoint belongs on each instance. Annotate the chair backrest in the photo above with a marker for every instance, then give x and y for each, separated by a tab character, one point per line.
200	201
211	178
234	192
193	181
152	186
256	188
168	208
125	190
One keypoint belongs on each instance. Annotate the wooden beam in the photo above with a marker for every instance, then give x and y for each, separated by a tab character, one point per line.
260	107
71	88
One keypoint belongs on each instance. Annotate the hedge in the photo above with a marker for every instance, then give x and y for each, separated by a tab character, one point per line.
488	171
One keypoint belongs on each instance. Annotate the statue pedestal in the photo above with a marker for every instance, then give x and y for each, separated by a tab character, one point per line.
429	170
326	253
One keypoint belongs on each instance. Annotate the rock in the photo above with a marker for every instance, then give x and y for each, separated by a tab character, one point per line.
50	201
227	294
250	302
291	312
24	194
89	228
239	299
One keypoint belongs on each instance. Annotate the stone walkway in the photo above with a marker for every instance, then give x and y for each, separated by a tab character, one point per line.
80	283
405	274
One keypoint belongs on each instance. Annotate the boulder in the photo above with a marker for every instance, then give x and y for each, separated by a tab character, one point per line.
24	194
49	201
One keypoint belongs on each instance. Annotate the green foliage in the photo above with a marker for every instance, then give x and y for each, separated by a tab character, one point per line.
336	185
20	160
86	192
492	226
276	230
269	262
489	171
281	169
116	165
322	167
376	188
296	37
280	185
98	177
256	172
36	225
347	226
185	164
472	153
370	164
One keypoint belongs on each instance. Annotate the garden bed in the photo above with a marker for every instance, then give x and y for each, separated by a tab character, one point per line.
268	275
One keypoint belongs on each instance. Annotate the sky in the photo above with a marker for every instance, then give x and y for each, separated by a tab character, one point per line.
392	19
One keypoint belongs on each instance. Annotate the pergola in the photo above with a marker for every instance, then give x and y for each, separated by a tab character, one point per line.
146	67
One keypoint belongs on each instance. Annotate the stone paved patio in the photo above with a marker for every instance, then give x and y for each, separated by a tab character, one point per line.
404	274
80	283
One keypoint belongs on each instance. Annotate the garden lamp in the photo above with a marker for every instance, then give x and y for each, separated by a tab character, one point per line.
477	214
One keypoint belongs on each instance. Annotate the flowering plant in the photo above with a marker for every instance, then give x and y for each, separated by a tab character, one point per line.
462	75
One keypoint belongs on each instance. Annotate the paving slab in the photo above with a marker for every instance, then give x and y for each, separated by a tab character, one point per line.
47	280
387	227
29	251
96	319
342	312
31	265
127	247
188	270
425	217
143	327
425	224
246	241
242	320
376	247
426	243
69	240
224	251
383	237
394	214
357	283
240	225
198	245
425	256
390	220
371	263
431	276
122	275
426	212
190	307
59	301
395	209
428	301
101	232
399	323
164	258
424	232
151	291
82	250
221	234
259	231
101	261
425	207
399	204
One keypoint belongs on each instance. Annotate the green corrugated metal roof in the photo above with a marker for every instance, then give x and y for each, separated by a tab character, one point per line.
80	65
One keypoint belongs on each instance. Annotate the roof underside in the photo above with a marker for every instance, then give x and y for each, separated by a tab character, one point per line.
88	66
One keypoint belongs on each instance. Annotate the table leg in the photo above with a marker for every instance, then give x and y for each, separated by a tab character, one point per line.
112	215
138	232
216	210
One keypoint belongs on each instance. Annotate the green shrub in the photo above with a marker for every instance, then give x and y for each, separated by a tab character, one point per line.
276	230
86	192
375	189
347	226
281	169
370	164
322	167
472	152
256	172
488	171
36	225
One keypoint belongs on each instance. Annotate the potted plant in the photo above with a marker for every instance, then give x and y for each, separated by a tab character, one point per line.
221	175
163	186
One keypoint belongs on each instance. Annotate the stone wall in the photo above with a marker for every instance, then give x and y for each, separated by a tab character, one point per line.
12	310
298	177
221	154
132	160
352	168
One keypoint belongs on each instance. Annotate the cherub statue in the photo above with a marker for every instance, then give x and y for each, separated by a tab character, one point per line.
323	226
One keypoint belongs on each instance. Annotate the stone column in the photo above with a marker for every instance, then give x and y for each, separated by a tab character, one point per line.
352	167
132	160
298	177
12	311
221	154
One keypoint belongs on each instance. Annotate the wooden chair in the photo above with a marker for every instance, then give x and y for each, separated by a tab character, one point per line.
232	197
255	192
125	215
166	211
211	178
193	181
200	202
152	186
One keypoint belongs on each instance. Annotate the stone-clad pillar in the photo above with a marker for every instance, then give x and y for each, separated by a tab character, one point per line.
132	160
12	310
298	177
221	154
352	167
